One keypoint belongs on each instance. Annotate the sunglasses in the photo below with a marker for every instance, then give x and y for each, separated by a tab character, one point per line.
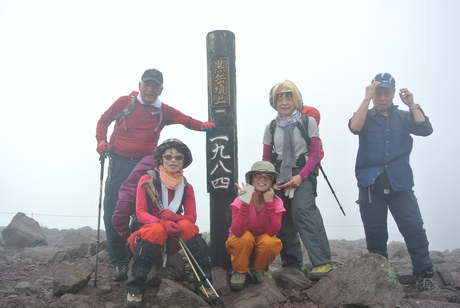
263	176
177	157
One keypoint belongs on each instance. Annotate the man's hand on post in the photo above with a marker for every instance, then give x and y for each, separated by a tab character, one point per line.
207	126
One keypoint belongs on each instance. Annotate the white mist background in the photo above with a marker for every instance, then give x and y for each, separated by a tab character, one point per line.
63	63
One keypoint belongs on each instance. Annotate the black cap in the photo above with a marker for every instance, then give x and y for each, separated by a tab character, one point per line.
153	74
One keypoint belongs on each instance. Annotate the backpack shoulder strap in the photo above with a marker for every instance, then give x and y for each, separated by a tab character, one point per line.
303	127
157	184
272	130
122	115
181	208
129	108
160	118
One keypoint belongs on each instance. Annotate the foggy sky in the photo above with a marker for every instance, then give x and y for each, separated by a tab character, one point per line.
63	63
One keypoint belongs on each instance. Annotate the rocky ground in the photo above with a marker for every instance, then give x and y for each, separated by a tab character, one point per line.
29	280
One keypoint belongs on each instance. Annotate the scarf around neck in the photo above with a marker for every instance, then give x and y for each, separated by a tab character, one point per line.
288	160
173	181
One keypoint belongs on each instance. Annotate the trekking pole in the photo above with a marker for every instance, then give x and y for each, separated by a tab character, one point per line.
154	193
188	255
102	160
333	192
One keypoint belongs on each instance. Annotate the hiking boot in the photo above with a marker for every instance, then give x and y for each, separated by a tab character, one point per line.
260	276
133	300
321	271
207	294
120	273
425	284
237	281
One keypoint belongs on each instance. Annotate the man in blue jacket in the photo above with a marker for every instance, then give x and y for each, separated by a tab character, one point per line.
384	175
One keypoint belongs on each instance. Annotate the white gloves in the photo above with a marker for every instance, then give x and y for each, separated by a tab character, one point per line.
289	192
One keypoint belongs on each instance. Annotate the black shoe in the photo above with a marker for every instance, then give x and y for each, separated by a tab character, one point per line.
120	273
425	282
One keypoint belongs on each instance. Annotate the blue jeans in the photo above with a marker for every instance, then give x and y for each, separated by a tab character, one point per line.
118	170
406	213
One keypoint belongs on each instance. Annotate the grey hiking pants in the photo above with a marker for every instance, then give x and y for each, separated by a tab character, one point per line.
303	218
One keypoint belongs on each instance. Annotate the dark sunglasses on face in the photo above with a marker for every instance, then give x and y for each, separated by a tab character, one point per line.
177	157
263	176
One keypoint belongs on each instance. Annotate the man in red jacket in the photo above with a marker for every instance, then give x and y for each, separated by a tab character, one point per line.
139	119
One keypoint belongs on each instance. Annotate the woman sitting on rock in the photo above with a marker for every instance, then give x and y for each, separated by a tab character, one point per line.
255	222
165	218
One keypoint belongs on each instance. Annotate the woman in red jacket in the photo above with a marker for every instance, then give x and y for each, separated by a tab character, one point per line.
166	206
255	222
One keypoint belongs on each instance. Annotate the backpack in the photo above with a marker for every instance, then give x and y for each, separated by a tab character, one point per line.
303	127
134	224
314	113
129	108
127	111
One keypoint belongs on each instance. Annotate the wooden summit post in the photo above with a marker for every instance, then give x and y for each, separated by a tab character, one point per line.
221	143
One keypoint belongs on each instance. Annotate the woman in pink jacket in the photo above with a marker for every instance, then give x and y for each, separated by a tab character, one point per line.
255	222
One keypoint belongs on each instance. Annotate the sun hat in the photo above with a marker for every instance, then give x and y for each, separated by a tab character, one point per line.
385	79
285	87
263	167
173	143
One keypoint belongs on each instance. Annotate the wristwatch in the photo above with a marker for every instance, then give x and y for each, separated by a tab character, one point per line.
417	106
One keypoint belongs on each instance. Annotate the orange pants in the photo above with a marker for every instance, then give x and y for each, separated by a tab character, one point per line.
156	234
260	250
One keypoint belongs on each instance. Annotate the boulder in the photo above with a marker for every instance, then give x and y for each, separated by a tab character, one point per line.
174	294
366	281
291	279
71	277
23	231
262	295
